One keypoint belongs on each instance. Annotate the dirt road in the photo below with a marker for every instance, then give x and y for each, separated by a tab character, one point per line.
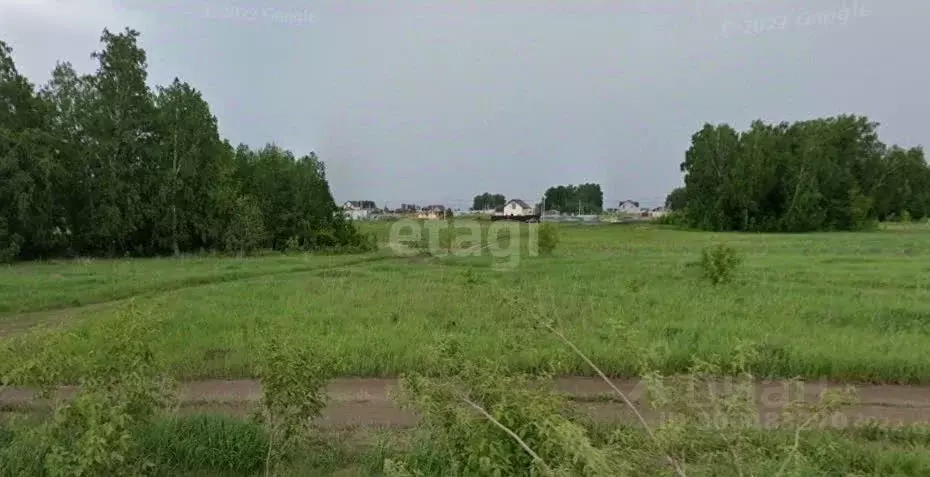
367	402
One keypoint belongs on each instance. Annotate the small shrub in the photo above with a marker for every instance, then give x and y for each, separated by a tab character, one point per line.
719	263
548	238
292	380
465	424
676	219
470	278
122	390
447	237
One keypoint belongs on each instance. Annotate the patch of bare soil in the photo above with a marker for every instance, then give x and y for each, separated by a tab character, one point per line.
367	402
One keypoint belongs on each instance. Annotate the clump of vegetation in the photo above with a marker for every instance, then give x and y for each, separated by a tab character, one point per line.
719	263
293	394
204	444
447	236
482	420
548	238
470	278
673	218
122	390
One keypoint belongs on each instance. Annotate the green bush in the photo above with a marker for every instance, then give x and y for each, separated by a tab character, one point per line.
548	238
447	236
293	394
123	387
461	428
719	263
676	219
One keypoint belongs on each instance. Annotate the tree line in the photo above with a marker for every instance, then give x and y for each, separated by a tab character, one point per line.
822	174
101	165
487	201
583	198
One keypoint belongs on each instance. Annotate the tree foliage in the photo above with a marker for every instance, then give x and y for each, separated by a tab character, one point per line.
488	201
822	174
583	198
101	164
676	199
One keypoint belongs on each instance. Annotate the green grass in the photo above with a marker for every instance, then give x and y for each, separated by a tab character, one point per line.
213	445
175	446
50	285
850	306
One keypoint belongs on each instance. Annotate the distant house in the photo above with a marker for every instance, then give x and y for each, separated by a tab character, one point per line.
517	207
658	212
629	207
358	209
432	212
430	215
359	205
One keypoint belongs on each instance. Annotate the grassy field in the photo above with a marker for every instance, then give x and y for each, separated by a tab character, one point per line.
850	306
843	306
39	286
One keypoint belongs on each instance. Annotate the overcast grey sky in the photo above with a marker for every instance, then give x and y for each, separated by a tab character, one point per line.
437	101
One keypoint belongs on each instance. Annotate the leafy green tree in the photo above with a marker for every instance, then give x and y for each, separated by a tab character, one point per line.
584	198
821	174
487	201
194	168
99	164
677	199
70	97
27	208
123	130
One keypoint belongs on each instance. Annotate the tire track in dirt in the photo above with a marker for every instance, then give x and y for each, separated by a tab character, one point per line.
18	322
367	402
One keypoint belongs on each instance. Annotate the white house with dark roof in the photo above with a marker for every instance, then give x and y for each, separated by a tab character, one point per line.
517	207
358	209
629	207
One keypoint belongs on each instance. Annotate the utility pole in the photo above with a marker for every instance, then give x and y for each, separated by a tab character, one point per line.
579	206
